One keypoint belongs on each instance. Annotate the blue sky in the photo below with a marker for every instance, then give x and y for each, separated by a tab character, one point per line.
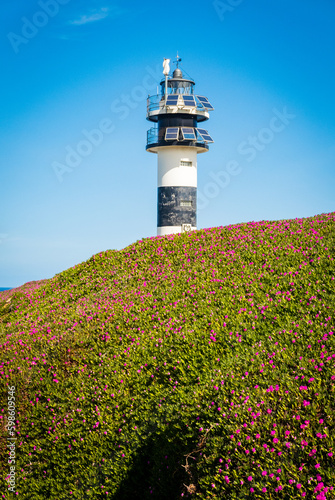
70	68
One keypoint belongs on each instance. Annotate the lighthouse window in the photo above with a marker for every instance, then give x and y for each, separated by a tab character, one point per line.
186	163
188	134
172	133
185	203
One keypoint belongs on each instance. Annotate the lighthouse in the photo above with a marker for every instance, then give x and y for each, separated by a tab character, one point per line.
177	136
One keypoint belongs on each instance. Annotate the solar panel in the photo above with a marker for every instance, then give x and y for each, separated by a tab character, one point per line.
205	102
205	135
172	100
188	133
189	100
172	133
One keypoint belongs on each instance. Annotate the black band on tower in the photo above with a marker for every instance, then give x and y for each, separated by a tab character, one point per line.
177	206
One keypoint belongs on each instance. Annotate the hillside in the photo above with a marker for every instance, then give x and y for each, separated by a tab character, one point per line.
198	365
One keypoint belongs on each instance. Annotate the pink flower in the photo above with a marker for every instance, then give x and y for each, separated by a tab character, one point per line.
249	478
317	466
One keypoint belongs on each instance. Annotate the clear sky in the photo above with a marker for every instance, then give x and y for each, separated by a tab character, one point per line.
80	70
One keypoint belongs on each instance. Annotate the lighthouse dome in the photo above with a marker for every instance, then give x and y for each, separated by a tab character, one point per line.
177	73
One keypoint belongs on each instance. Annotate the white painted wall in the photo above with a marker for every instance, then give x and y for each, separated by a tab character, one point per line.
164	230
170	173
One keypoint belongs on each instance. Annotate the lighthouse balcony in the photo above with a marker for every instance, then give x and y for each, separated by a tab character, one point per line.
157	138
176	104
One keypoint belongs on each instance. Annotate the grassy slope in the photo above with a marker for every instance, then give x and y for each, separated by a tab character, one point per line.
199	365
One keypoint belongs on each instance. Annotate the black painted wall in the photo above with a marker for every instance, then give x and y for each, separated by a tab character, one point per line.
169	210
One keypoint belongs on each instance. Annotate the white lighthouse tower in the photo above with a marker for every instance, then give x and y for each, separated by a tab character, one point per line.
177	140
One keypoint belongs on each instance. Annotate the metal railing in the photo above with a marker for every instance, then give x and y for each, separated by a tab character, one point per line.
156	102
152	138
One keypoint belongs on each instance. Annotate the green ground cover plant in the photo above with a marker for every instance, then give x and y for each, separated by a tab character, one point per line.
198	365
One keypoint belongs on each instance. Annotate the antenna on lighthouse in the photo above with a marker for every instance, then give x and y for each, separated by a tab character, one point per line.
178	60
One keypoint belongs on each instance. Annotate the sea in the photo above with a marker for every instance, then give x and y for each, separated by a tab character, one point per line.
2	289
